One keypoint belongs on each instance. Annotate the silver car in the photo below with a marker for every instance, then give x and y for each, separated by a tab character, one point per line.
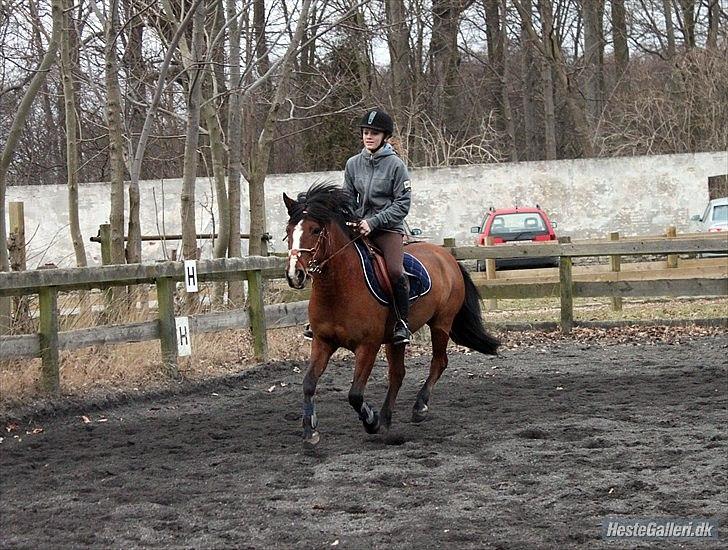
715	217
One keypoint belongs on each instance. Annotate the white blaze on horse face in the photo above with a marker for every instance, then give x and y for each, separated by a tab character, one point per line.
295	245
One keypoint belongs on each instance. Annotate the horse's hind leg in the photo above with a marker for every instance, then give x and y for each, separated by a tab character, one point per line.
438	364
365	356
395	358
320	354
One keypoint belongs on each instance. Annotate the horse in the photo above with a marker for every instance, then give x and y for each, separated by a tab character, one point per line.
343	313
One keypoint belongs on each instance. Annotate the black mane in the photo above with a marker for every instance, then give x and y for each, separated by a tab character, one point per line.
324	202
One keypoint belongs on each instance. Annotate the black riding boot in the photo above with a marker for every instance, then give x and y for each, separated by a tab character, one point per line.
401	333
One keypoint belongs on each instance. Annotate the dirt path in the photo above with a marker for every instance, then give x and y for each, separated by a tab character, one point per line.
530	449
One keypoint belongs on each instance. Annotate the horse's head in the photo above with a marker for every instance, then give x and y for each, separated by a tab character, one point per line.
309	218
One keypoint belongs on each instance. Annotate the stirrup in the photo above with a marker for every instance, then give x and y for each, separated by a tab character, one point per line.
402	334
307	332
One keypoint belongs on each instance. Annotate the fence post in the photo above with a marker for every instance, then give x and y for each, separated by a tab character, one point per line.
167	328
16	248
616	265
105	241
48	338
671	258
256	311
16	242
490	274
567	290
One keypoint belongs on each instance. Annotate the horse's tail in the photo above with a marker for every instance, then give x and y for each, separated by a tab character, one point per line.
467	327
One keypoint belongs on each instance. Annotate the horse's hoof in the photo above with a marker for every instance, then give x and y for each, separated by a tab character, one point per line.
374	426
419	415
312	439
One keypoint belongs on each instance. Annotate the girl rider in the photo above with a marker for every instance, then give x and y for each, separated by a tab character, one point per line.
378	181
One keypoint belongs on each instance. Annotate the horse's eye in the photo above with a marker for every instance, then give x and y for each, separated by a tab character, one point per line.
317	231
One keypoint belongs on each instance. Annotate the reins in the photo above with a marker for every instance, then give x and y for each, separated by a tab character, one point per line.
317	267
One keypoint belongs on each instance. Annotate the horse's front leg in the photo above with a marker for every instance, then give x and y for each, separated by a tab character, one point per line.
321	352
365	356
395	358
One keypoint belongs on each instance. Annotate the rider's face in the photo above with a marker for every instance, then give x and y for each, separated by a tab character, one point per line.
372	138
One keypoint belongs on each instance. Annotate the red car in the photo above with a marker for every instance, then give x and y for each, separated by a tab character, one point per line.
525	224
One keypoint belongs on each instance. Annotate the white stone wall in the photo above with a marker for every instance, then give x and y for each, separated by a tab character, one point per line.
586	197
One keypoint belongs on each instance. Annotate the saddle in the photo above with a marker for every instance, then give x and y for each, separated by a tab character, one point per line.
377	278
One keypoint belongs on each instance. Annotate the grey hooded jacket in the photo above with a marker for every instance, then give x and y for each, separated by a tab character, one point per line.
380	186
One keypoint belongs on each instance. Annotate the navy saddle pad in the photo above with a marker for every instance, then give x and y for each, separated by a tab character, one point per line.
419	278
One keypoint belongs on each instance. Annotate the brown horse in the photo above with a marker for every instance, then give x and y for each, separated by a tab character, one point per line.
343	312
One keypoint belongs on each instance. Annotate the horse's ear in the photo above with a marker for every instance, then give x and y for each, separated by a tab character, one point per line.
290	203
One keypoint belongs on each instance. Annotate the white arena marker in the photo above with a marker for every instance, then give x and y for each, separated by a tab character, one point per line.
184	338
191	275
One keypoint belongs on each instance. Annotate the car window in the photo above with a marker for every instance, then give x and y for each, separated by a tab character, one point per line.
518	222
720	213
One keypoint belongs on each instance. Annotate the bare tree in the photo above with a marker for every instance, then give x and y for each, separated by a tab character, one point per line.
711	41
400	62
194	99
593	13
235	167
116	143
547	83
263	145
669	27
530	76
12	140
688	23
619	37
443	57
549	47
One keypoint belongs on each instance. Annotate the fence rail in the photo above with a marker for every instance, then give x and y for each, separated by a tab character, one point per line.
711	280
47	283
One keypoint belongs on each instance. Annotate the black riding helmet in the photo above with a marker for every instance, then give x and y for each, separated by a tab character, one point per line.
378	120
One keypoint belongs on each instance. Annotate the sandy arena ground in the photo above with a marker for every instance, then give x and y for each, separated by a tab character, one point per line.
530	449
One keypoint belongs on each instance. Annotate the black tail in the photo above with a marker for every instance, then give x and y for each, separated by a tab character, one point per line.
467	327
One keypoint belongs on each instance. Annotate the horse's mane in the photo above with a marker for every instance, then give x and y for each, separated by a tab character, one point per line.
324	202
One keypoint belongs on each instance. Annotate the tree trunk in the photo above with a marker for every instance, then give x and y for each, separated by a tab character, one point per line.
529	73
261	43
669	28
11	143
400	56
261	151
688	21
116	142
444	59
194	96
711	41
547	83
217	148
592	13
235	289
69	97
505	99
619	36
364	65
55	154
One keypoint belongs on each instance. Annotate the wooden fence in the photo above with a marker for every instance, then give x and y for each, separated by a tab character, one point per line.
49	340
708	279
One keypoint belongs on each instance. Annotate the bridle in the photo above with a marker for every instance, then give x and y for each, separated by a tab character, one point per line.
315	266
